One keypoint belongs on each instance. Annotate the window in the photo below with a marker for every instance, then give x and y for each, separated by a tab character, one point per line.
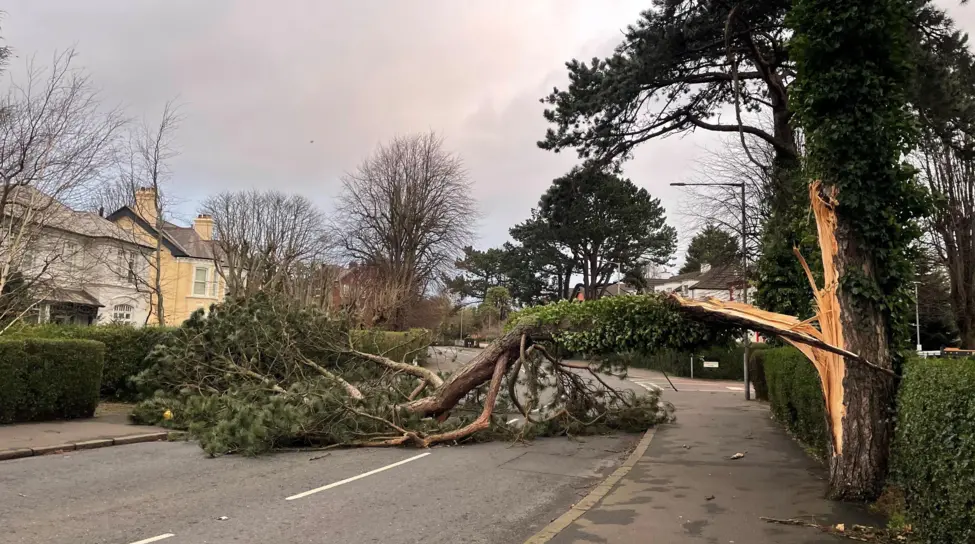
200	282
213	286
122	313
131	267
72	254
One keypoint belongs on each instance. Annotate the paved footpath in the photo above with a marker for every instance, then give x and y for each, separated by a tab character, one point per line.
686	488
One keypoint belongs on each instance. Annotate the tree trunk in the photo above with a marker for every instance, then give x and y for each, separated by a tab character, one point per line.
475	373
859	467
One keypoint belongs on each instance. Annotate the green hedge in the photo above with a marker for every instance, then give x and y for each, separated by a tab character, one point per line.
126	349
43	379
398	346
934	448
796	397
756	373
678	363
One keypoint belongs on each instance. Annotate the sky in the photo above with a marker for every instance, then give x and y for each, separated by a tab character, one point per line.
290	95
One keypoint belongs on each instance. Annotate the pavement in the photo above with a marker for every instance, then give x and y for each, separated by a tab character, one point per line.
685	488
109	424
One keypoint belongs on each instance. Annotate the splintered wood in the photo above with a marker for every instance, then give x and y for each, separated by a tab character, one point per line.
824	345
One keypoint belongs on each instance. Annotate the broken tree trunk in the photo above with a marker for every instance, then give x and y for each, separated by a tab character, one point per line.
849	351
475	373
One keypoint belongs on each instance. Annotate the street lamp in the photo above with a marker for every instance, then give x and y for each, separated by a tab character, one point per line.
744	261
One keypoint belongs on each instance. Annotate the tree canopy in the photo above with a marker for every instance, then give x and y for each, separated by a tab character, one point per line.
606	224
711	246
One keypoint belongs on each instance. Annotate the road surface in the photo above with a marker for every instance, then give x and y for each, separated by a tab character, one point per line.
485	493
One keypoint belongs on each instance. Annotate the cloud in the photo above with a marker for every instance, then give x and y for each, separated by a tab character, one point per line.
290	95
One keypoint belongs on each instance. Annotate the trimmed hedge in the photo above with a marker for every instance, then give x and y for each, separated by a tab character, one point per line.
934	448
126	349
796	397
43	379
678	363
398	346
756	373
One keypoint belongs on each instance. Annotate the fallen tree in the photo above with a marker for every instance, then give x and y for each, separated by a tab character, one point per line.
260	373
825	346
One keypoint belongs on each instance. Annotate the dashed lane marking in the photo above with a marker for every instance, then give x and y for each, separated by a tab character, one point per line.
354	478
154	539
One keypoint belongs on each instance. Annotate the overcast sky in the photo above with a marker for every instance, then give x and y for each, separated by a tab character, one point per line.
289	95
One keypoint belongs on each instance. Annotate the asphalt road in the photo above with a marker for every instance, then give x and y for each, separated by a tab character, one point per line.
485	493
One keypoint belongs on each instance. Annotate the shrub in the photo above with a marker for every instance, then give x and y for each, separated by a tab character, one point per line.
43	379
796	397
398	346
934	448
756	373
126	349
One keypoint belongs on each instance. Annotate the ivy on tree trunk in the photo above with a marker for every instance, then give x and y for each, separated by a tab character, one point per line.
853	71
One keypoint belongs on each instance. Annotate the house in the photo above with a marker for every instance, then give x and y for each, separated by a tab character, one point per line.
188	273
82	269
721	282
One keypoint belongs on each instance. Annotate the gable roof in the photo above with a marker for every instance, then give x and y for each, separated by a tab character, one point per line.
180	241
56	215
720	278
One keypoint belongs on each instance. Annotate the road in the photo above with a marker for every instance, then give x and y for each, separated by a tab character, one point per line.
173	493
485	493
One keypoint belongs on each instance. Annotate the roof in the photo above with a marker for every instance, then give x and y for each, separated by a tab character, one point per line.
79	296
180	241
720	278
51	213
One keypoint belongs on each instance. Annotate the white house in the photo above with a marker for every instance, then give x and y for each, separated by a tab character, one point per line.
721	282
83	269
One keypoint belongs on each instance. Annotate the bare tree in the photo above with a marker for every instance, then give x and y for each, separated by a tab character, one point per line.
143	167
266	239
946	167
56	141
407	213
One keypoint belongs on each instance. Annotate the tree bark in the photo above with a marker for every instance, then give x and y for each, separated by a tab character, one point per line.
858	467
477	372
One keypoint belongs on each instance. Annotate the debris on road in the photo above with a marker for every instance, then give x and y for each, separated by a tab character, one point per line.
709	498
738	455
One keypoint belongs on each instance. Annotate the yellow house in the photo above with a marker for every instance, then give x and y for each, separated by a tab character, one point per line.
189	278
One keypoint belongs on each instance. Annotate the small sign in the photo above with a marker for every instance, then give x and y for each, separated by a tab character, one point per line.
710	364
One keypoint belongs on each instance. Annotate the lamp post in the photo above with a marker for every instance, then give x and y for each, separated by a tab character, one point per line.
744	262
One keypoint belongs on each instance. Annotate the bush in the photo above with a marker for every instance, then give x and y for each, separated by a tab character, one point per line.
43	379
678	363
398	346
756	373
934	448
797	397
126	349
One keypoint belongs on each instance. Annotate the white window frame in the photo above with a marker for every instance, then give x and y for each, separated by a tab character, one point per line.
205	282
122	313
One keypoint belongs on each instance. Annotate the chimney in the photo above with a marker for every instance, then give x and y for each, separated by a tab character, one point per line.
145	204
203	225
705	267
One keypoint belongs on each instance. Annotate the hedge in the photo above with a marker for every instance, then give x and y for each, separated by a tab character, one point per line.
126	348
934	448
678	363
796	397
398	346
756	373
43	379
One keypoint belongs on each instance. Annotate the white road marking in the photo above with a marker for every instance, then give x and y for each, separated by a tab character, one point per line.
154	539
650	386
352	479
734	388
